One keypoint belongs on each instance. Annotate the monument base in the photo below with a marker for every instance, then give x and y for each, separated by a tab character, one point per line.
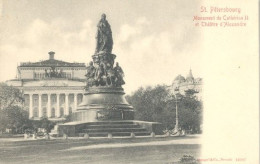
103	103
105	112
92	115
110	128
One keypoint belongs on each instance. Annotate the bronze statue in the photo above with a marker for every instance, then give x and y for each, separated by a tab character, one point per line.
100	75
104	36
110	76
91	70
101	71
119	74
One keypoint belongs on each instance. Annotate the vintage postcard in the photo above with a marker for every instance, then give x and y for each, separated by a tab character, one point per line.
151	81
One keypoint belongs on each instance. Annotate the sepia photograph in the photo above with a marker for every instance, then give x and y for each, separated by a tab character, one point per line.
115	81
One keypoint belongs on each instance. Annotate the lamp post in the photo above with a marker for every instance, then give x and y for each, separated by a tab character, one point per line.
176	93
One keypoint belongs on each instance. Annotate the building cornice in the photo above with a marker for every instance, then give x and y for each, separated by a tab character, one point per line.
53	88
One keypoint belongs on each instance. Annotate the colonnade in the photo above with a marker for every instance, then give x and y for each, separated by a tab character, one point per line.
50	105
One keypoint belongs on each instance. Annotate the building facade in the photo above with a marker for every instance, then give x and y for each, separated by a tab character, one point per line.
188	83
52	88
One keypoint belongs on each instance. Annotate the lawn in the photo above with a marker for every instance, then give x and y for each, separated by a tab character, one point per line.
139	150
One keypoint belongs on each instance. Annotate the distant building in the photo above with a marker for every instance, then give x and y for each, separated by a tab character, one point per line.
52	88
188	83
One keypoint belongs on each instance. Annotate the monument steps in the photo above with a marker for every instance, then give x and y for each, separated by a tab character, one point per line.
115	134
111	123
115	128
112	126
121	129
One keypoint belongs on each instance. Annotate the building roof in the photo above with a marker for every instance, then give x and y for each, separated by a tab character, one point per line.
51	62
179	78
198	79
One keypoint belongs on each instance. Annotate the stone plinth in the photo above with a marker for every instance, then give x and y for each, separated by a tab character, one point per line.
103	103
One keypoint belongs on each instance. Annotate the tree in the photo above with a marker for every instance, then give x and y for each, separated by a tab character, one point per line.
68	118
43	123
190	112
47	124
12	115
190	93
10	96
159	105
152	104
15	118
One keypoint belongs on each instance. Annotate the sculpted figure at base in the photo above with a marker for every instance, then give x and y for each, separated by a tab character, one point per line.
91	75
119	74
110	76
100	75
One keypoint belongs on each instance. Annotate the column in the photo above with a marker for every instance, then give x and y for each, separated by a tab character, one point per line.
49	106
31	106
75	101
67	104
40	105
58	105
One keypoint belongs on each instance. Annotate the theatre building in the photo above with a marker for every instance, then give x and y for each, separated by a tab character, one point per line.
52	88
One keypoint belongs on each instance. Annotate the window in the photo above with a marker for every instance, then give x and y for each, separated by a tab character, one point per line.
44	112
80	97
35	101
53	99
61	112
53	112
35	112
62	99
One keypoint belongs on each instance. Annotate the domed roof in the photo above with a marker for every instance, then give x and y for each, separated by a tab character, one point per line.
179	78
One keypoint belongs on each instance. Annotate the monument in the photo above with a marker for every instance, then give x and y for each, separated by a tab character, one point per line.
104	109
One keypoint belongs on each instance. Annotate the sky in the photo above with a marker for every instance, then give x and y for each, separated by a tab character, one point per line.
154	40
